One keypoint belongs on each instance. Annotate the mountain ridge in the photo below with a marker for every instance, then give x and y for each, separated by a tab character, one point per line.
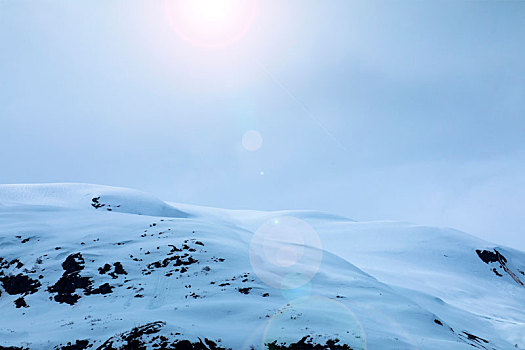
109	268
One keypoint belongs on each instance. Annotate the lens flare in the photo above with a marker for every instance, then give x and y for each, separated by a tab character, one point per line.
320	318
304	291
252	140
285	252
211	23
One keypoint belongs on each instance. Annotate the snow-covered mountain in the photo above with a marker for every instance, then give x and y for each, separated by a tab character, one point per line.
85	266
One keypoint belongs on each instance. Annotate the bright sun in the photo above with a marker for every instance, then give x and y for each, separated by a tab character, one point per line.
211	23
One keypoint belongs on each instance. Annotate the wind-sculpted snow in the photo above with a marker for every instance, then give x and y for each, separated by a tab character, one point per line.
92	267
82	196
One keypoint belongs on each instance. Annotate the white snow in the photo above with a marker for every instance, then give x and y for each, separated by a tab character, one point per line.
373	285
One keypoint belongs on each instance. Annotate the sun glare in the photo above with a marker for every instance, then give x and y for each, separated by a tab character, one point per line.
210	11
211	23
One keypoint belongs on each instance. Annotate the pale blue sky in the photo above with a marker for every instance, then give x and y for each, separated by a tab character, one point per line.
402	110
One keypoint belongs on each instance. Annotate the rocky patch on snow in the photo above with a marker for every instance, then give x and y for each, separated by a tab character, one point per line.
65	289
500	264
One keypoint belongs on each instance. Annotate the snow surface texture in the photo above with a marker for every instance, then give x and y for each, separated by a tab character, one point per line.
95	267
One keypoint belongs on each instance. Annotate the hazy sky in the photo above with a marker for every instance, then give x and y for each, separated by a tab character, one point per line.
396	110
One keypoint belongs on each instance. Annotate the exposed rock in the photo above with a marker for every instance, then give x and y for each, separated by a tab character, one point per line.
103	289
244	290
20	302
78	345
95	203
487	256
307	344
71	280
102	270
119	269
19	284
144	337
495	256
73	263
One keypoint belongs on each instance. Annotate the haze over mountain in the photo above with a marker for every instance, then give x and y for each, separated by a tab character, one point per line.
398	110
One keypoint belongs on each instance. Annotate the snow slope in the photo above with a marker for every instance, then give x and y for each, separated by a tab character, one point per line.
108	268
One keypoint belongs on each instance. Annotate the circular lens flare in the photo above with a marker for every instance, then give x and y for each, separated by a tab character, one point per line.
211	23
318	319
285	252
252	140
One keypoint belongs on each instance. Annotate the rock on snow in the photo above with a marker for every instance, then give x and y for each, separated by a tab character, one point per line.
96	267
